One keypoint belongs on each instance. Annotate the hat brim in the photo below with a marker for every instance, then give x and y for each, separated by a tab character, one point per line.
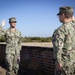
59	13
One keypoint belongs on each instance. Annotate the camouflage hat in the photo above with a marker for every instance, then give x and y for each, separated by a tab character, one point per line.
12	19
65	9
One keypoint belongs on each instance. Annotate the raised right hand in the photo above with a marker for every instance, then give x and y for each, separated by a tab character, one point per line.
3	23
73	18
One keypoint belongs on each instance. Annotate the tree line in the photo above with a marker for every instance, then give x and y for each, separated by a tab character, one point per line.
31	39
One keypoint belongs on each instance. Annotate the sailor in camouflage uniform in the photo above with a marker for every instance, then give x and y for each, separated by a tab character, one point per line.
63	40
13	46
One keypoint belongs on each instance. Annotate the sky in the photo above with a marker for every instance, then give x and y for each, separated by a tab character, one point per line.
35	18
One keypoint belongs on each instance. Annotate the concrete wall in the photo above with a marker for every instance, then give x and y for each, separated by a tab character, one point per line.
34	60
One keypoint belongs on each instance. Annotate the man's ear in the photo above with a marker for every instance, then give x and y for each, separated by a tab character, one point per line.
63	15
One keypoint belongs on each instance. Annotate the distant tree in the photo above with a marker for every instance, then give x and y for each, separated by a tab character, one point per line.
31	39
36	39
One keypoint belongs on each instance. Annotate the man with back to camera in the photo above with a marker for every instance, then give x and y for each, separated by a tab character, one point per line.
13	46
63	40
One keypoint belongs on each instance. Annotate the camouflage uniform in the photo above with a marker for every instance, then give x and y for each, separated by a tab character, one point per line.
64	48
13	47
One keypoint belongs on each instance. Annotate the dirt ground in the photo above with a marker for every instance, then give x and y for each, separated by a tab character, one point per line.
39	44
2	71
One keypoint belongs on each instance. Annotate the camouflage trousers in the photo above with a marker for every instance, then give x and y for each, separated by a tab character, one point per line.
66	70
12	64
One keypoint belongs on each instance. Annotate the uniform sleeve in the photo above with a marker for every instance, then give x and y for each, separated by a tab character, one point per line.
58	42
20	42
2	32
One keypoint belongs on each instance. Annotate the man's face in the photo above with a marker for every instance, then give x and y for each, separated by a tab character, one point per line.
61	17
13	24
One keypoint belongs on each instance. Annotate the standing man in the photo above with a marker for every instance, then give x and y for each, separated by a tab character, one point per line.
63	40
13	46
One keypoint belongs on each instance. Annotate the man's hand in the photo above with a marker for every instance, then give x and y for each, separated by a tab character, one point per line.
73	18
59	66
18	59
3	23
